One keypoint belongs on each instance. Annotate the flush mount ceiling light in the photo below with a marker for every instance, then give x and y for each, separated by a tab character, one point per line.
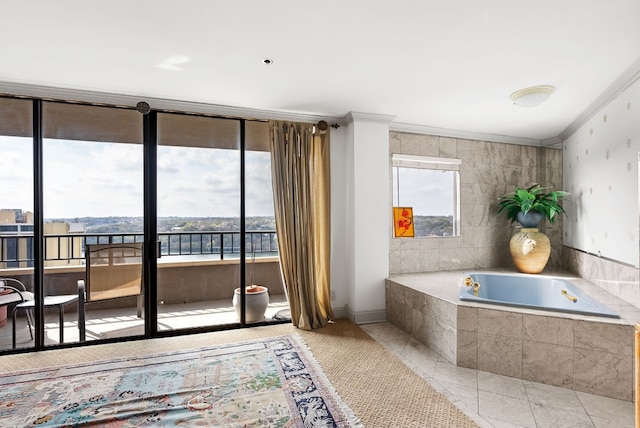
532	96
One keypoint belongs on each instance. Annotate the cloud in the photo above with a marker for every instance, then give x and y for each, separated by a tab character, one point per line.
429	192
106	179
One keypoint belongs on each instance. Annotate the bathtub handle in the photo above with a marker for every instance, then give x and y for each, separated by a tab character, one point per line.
468	281
568	296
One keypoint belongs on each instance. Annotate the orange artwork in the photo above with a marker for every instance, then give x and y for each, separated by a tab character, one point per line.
403	222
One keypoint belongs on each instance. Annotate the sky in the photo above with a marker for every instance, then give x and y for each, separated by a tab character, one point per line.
91	179
428	192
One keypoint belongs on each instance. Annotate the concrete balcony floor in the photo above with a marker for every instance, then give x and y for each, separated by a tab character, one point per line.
122	322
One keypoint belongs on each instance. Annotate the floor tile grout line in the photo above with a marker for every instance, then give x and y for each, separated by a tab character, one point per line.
477	416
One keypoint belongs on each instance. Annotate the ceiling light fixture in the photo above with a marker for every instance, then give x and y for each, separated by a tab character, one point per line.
532	96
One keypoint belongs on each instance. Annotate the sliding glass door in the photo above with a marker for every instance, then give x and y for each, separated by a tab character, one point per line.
85	192
16	219
198	217
92	222
214	187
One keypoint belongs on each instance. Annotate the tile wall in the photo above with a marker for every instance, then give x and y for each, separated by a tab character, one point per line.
617	278
583	355
588	355
488	171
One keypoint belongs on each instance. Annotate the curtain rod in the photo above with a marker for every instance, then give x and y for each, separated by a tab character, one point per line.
323	125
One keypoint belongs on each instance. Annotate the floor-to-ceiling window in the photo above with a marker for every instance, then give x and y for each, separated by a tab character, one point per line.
203	196
212	209
16	208
199	202
92	195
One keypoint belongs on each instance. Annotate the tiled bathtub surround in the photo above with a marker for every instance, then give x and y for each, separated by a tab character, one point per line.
488	170
587	354
617	278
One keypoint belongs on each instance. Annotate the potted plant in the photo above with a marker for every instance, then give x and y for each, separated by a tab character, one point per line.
530	249
529	206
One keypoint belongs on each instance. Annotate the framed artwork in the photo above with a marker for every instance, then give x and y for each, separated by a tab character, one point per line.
403	222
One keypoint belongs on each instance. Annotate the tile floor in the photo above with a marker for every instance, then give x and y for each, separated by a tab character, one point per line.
499	401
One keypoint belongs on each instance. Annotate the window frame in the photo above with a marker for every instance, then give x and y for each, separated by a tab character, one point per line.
400	160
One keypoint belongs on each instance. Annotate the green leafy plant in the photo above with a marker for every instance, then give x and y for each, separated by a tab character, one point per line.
533	198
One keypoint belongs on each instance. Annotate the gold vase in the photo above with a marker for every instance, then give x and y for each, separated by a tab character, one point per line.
530	250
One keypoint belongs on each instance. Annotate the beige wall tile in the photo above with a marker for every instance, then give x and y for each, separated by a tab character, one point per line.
547	363
616	339
501	323
556	331
488	171
467	349
500	355
604	373
467	318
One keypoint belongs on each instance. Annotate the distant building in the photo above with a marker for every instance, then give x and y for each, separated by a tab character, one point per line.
11	216
16	245
60	244
16	241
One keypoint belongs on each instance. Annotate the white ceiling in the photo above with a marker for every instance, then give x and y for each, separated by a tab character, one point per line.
444	66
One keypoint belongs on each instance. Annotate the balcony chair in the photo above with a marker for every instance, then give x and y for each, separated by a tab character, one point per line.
113	271
14	291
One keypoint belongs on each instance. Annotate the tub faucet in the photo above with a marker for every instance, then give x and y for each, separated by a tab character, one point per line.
476	287
468	281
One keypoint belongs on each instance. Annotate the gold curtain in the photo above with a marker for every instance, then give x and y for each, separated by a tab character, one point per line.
301	194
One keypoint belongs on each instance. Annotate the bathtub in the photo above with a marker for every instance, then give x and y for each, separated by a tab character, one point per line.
530	291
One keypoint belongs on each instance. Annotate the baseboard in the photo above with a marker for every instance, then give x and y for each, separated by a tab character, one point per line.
366	317
340	312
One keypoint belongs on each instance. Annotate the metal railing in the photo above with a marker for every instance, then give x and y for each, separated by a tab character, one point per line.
17	250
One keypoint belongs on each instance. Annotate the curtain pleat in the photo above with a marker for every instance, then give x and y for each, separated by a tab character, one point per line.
301	186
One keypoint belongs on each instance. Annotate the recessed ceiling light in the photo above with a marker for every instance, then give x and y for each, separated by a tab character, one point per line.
267	61
532	96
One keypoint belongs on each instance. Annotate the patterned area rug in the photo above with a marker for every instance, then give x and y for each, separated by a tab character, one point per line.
273	382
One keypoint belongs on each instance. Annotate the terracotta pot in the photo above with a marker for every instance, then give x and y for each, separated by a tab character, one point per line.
257	300
530	250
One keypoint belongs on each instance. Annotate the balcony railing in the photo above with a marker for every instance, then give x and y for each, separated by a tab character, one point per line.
17	250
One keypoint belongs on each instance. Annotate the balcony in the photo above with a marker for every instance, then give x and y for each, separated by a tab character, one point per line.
197	275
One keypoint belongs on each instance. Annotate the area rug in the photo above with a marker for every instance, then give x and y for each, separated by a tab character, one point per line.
271	382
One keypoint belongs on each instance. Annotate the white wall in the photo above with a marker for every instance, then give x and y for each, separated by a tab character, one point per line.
600	166
339	248
367	215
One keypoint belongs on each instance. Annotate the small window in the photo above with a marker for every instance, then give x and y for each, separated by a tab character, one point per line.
431	187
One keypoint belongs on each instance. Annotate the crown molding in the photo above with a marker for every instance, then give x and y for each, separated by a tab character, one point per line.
553	143
628	78
354	116
467	135
124	100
